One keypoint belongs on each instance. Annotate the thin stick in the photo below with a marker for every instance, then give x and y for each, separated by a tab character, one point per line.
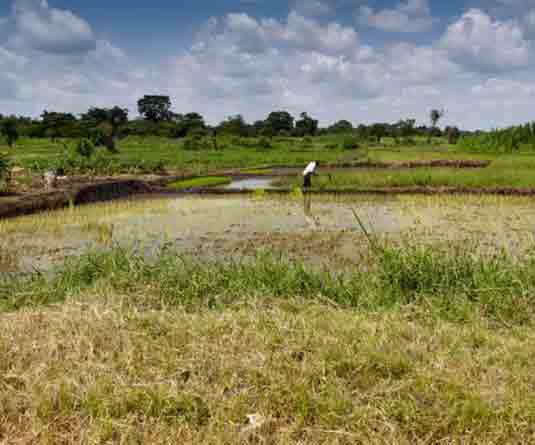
371	240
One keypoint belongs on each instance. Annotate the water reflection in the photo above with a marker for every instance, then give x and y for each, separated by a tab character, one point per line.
307	207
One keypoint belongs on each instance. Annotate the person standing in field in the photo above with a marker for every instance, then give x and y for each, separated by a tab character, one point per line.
309	171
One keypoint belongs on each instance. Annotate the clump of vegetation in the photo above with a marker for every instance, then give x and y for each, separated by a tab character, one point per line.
209	181
507	140
350	143
5	166
196	141
265	143
8	129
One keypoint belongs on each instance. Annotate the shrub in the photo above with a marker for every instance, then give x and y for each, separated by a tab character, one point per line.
85	148
350	143
8	128
195	142
4	166
264	143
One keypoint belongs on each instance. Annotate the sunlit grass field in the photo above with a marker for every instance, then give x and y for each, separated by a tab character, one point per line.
424	345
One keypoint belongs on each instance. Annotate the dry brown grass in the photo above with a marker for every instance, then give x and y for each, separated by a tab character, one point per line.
97	373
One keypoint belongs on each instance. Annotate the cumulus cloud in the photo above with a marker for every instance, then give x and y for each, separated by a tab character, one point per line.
486	44
50	30
409	16
306	61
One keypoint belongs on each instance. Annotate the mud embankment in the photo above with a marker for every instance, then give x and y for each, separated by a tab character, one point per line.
85	194
284	170
502	191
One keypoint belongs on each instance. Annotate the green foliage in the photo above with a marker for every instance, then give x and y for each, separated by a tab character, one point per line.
209	181
8	128
85	148
306	126
342	126
265	143
195	141
507	140
155	108
4	166
278	122
350	143
189	123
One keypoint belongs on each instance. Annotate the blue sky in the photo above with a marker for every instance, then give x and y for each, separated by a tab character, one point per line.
361	60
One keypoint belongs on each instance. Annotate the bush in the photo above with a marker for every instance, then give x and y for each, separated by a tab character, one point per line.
85	148
264	143
350	143
195	142
4	166
307	142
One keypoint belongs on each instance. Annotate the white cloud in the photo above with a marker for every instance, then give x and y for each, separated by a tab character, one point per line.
485	44
50	30
420	64
238	63
409	16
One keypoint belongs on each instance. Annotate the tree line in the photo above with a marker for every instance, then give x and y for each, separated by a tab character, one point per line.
103	126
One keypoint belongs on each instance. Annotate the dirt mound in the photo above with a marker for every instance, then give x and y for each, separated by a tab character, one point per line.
96	192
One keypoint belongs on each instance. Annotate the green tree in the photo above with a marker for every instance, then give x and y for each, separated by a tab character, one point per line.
115	116
453	134
378	131
188	123
434	116
278	122
57	124
8	128
235	125
155	108
306	125
342	126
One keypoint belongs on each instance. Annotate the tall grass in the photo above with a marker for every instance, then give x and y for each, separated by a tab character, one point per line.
505	172
455	283
507	140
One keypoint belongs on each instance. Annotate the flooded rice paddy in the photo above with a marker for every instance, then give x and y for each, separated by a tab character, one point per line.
321	230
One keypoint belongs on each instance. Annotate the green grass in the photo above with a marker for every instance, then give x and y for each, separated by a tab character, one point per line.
505	172
209	181
257	171
422	344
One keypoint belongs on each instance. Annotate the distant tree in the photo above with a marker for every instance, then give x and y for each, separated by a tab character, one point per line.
435	116
5	168
257	127
188	123
407	128
342	126
104	123
8	128
378	131
453	134
234	125
155	108
57	124
278	122
306	125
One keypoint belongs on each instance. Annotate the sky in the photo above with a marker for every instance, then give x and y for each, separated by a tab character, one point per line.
361	60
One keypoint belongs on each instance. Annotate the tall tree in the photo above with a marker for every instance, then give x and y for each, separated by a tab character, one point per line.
188	123
279	121
306	125
234	125
54	123
342	126
434	116
115	117
155	108
8	128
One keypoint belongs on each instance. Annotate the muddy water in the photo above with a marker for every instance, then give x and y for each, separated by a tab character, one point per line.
323	231
251	184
